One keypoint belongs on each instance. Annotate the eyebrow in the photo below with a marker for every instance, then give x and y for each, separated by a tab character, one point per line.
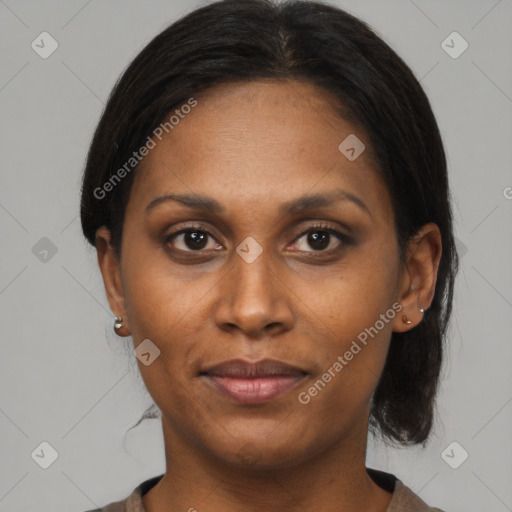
305	202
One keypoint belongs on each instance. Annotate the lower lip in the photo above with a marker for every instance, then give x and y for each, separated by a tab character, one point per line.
255	390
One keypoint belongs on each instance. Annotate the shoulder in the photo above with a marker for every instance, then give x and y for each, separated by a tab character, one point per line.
405	500
132	503
117	506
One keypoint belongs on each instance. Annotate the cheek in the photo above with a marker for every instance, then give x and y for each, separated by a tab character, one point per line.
163	309
354	313
352	363
158	298
169	307
355	293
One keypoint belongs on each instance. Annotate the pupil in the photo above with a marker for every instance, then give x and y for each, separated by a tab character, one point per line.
321	241
318	239
198	238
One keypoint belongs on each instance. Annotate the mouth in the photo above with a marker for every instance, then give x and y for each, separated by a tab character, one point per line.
252	383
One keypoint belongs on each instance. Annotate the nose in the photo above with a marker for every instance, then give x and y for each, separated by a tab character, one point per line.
255	300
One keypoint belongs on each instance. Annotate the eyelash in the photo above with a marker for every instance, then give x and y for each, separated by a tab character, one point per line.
344	239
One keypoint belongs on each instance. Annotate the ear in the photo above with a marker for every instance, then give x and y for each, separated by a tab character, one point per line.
419	276
111	272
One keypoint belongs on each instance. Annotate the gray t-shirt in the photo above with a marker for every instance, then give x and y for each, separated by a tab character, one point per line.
403	500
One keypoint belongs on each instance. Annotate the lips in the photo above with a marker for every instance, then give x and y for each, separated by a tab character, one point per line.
238	368
247	382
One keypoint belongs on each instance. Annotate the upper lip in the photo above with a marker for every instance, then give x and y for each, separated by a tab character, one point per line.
238	368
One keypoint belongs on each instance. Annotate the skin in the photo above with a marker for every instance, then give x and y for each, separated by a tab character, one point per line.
253	147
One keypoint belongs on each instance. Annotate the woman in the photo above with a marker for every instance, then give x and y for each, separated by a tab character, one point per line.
267	193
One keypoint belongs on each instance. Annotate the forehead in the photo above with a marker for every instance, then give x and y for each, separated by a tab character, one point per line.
259	140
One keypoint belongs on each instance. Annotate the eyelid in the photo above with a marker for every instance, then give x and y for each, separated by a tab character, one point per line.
195	226
320	226
343	238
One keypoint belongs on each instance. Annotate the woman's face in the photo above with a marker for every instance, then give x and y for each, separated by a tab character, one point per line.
254	279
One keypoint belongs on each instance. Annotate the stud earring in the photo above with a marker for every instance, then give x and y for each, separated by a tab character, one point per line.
406	320
119	328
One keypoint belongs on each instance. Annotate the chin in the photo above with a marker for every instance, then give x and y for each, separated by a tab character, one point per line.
261	453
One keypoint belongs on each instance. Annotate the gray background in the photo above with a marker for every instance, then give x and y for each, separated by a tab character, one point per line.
65	377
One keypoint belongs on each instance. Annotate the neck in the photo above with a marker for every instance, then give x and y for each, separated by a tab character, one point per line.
333	481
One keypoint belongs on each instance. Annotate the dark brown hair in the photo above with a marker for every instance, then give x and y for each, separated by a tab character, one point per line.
242	40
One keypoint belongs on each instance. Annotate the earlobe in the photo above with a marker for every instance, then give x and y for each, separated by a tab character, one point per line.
419	276
406	320
120	328
111	273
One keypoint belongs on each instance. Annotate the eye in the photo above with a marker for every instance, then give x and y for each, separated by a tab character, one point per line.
320	239
192	239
